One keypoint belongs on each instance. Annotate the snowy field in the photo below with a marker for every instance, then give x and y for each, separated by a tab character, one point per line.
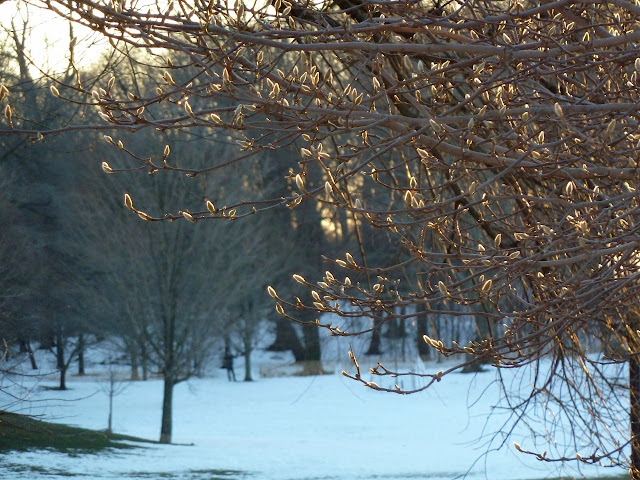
284	428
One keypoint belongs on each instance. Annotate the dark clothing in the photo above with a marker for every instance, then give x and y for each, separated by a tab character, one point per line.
227	362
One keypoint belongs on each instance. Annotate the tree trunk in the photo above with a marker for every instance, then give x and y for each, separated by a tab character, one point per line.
247	341
247	365
312	354
424	351
80	354
287	339
62	367
143	360
110	424
634	414
376	341
135	376
167	410
32	358
63	378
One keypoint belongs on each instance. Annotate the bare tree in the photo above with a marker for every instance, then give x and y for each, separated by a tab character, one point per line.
113	385
158	282
495	142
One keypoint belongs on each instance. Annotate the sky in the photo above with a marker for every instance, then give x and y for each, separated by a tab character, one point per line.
48	36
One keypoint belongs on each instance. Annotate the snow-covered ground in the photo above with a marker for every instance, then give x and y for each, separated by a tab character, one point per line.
281	428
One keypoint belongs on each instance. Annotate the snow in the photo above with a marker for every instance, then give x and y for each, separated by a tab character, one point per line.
284	428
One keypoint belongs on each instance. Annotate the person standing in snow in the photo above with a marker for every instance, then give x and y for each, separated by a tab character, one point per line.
227	362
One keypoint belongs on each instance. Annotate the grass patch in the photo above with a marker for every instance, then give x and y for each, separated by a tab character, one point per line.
192	475
38	472
19	432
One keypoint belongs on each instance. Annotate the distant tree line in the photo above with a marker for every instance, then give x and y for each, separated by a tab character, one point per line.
79	269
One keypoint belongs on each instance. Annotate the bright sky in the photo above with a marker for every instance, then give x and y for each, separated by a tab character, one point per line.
47	36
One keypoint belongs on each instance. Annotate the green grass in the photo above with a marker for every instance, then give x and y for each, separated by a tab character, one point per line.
38	472
19	432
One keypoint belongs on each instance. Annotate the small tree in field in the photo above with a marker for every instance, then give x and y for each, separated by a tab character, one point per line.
113	385
494	142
